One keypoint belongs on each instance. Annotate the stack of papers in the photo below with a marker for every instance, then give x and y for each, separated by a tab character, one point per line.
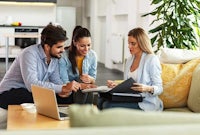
98	89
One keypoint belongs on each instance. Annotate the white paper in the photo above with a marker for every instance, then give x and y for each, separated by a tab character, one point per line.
98	89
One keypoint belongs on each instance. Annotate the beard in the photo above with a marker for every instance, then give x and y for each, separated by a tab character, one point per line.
57	56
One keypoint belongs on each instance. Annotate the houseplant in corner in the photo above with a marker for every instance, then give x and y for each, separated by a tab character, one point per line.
178	24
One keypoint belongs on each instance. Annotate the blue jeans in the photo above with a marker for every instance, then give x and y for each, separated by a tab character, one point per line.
105	104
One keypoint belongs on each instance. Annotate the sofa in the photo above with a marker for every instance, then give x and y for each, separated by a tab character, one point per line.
88	120
181	97
187	129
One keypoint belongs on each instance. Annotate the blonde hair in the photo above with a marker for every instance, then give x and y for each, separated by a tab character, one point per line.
142	38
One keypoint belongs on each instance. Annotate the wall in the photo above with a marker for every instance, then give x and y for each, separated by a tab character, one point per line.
77	4
106	18
34	15
66	17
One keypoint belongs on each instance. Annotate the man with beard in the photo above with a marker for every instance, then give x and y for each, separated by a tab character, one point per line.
38	65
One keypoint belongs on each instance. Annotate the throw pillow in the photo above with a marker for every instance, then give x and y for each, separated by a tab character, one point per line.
90	116
176	83
194	94
177	56
3	118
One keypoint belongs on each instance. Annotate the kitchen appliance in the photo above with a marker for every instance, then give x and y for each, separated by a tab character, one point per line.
22	41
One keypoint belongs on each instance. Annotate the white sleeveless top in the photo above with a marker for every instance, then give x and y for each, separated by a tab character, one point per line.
133	74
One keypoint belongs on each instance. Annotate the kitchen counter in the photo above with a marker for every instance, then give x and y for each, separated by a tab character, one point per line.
21	26
7	45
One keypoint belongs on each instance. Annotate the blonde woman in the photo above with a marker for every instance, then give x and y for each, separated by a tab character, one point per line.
144	67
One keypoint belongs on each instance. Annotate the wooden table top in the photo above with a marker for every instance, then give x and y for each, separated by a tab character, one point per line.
19	119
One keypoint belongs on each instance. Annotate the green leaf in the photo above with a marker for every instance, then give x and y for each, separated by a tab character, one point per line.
151	13
177	23
156	1
156	29
154	39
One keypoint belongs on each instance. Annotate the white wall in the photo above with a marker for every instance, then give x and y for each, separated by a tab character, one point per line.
66	17
32	15
77	4
114	17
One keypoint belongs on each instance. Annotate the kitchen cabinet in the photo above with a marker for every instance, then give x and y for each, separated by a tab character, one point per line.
7	0
5	31
40	31
53	1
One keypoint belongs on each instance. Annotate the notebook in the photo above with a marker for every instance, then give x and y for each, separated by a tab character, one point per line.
46	103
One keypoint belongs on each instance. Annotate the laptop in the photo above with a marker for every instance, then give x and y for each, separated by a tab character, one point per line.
46	103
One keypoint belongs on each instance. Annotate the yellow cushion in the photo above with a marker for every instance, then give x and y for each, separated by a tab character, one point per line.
176	83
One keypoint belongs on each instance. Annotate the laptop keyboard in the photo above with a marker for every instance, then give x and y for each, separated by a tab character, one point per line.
63	111
63	114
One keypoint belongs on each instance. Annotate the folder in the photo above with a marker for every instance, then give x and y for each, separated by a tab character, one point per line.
123	93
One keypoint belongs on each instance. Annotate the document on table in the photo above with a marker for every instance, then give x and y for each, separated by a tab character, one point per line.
98	89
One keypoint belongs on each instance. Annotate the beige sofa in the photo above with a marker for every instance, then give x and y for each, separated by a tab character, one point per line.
88	120
184	80
185	129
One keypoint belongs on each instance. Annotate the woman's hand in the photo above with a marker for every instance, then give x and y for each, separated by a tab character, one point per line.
85	78
111	84
142	88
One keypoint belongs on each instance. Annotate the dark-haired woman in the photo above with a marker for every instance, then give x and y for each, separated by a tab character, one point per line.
79	63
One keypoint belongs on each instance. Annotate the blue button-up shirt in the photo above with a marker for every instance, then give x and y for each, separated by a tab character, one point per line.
30	67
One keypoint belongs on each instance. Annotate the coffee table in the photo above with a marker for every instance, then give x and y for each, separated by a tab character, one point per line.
19	119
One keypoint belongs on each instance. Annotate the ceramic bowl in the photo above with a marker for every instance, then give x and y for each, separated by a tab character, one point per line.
29	107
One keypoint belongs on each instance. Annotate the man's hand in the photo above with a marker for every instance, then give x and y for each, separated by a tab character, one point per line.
87	78
73	86
68	88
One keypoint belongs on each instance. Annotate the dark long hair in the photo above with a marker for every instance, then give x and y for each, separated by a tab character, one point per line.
78	32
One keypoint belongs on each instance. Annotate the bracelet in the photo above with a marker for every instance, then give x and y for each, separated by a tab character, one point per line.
152	90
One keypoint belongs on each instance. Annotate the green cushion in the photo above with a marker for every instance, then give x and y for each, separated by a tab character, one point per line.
194	94
3	118
90	116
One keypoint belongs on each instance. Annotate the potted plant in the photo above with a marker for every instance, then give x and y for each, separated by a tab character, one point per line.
178	21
